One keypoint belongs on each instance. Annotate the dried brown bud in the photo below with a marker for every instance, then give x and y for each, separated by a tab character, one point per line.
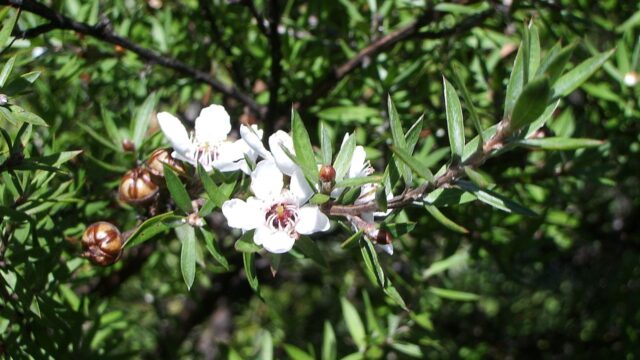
327	173
383	238
128	145
137	187
102	243
163	156
118	49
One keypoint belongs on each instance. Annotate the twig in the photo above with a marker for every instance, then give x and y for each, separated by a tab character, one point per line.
259	19
102	31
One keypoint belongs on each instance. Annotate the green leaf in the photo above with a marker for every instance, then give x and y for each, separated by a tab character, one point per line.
554	64
398	229
455	122
210	244
531	104
454	294
266	348
351	239
414	163
496	200
310	249
24	116
351	115
371	262
326	144
408	349
343	158
478	178
5	33
398	137
188	257
250	270
6	70
216	194
444	220
150	228
413	134
304	149
514	87
561	144
319	199
177	190
329	349
296	353
246	243
457	78
359	181
579	74
354	323
534	48
443	265
142	118
99	138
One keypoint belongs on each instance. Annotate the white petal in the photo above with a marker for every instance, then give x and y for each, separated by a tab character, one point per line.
212	125
311	220
253	137
300	187
273	241
243	215
266	180
357	166
278	139
388	248
177	135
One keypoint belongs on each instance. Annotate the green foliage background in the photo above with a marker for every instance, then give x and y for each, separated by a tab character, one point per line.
561	284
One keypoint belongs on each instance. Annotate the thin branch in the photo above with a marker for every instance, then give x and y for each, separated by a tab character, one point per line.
259	19
102	31
386	42
447	179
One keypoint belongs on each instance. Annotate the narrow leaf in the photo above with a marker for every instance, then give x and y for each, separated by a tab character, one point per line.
455	123
414	163
343	159
188	257
210	244
177	190
496	200
561	144
329	349
579	74
457	78
303	148
6	70
250	270
310	249
326	144
142	119
444	220
5	33
150	228
454	294
354	323
531	104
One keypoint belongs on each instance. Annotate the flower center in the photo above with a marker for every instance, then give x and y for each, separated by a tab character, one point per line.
205	152
282	217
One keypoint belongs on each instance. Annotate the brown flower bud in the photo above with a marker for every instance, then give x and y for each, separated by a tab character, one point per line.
383	237
137	187
128	145
102	243
163	156
327	173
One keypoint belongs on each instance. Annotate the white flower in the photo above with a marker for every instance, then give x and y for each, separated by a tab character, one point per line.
208	144
631	78
278	215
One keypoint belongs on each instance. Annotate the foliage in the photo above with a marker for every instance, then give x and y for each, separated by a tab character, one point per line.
504	138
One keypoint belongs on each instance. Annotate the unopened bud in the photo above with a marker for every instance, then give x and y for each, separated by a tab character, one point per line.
327	173
383	238
137	187
631	78
162	156
102	243
128	145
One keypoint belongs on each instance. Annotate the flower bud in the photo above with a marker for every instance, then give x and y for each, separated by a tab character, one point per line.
137	187
163	156
631	78
4	99
383	237
128	145
102	243
327	173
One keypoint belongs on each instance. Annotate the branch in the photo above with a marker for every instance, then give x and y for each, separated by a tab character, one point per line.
102	31
447	179
259	19
387	42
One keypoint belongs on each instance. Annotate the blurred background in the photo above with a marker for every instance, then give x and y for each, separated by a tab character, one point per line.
563	284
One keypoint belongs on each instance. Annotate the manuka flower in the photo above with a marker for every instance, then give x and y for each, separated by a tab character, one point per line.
277	214
208	144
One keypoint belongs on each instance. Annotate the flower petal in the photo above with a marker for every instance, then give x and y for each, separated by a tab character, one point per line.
273	241
388	248
243	215
266	180
300	187
311	220
278	139
253	137
177	135
213	124
357	167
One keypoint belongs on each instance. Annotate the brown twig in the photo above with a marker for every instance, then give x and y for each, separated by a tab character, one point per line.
103	31
256	15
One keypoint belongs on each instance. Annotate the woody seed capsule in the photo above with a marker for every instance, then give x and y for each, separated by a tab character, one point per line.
137	187
162	156
102	243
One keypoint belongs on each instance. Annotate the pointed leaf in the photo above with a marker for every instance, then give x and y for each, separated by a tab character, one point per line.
212	247
496	200
6	70
188	257
329	349
531	104
579	74
178	192
444	220
142	119
455	123
343	159
414	163
303	148
354	323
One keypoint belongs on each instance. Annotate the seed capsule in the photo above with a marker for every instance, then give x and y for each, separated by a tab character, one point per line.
163	156
137	187
102	243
